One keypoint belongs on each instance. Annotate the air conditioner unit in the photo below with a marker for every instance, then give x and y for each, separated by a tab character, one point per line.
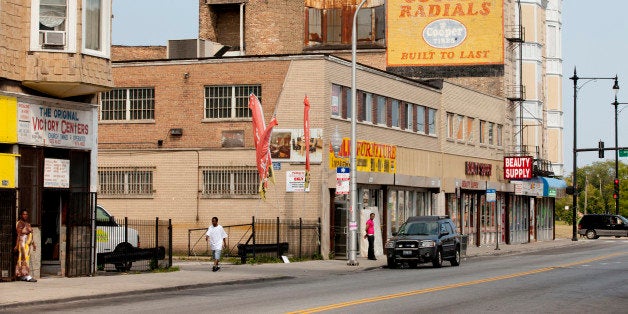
54	38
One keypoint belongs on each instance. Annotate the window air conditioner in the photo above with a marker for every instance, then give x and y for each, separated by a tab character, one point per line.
54	38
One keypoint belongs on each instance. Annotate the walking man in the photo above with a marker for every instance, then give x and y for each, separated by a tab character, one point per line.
217	241
370	235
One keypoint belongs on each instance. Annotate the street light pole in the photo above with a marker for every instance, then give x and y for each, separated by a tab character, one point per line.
574	197
615	103
353	225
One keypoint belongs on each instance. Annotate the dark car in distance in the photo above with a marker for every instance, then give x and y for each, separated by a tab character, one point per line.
594	226
424	239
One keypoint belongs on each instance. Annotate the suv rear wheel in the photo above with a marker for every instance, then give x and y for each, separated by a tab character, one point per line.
591	234
437	262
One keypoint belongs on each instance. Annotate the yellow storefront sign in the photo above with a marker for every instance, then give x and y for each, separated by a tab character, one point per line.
8	171
370	157
8	119
443	33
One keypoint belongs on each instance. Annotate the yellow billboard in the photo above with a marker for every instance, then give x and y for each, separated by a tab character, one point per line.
370	156
444	32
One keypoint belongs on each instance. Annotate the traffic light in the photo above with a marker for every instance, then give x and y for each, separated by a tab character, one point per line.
616	189
600	152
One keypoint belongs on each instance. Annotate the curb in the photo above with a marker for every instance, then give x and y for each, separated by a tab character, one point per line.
4	307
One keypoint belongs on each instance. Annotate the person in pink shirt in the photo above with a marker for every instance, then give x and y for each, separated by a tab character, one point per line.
370	235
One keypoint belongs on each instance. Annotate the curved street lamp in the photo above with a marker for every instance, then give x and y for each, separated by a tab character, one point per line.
574	199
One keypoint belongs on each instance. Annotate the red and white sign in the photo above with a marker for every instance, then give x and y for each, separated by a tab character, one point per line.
343	180
518	167
295	181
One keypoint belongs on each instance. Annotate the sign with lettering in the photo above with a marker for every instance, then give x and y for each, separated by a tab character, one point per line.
56	173
370	156
343	180
519	167
444	33
529	188
295	181
477	168
54	127
491	195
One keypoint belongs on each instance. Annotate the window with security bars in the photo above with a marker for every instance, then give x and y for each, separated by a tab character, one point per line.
230	102
127	104
114	181
230	181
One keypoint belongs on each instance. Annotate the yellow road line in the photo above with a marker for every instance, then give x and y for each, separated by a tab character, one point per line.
451	286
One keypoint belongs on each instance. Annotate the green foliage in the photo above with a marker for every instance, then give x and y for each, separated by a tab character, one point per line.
165	270
595	190
263	260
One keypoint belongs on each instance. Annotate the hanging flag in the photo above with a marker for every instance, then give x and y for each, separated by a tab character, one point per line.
261	138
306	139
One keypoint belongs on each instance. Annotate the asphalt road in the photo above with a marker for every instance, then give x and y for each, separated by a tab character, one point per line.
567	280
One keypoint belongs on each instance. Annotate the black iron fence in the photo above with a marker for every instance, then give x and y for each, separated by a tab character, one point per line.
133	244
294	237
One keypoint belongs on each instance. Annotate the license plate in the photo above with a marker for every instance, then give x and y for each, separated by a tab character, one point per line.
407	252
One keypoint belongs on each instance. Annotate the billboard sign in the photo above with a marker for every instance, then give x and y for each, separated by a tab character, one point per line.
444	33
519	167
54	126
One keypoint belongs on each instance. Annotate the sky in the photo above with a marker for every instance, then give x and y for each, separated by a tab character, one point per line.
594	40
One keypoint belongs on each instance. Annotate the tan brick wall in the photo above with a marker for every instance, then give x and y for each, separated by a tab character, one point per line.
14	38
126	53
65	69
180	102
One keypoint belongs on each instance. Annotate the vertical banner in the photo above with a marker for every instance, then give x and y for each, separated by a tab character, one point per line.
306	139
261	138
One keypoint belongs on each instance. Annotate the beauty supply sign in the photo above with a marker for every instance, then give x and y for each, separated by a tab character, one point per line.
443	33
54	127
519	167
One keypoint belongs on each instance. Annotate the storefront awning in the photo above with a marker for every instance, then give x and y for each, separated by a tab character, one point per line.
554	187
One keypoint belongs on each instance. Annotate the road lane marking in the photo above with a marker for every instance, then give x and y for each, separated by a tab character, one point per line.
451	286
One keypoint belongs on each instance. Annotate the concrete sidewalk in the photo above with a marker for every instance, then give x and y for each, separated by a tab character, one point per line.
197	273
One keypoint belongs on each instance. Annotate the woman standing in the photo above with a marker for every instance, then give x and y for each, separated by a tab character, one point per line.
22	246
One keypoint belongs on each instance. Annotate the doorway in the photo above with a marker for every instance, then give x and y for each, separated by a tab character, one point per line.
54	206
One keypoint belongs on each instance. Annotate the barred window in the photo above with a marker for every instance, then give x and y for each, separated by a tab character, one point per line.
124	104
229	102
230	181
125	181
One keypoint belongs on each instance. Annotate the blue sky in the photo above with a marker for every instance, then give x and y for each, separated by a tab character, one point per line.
595	40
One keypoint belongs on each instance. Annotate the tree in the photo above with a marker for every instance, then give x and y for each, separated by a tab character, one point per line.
590	179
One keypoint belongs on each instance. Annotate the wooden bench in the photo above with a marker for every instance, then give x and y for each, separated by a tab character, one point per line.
245	249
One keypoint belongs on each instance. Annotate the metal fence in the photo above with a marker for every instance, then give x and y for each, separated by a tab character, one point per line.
302	236
134	245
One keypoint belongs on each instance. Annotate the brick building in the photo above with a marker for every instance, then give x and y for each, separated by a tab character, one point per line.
54	60
175	134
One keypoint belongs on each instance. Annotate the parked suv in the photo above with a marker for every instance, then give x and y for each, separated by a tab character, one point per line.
594	226
424	239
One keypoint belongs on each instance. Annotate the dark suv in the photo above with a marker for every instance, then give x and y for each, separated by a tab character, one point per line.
594	226
424	239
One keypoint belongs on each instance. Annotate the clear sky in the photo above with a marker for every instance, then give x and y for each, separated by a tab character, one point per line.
595	40
153	22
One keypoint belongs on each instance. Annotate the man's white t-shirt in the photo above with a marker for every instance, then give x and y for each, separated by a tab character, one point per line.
216	234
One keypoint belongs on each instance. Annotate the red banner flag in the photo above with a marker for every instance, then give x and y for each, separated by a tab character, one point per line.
306	139
261	138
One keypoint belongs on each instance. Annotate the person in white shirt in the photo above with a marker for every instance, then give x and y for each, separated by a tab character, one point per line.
217	241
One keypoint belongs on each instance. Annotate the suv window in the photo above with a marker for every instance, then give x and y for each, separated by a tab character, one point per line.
448	229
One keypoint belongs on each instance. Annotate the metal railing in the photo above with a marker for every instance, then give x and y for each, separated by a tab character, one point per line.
302	236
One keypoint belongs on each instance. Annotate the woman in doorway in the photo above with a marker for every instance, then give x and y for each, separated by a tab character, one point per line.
22	246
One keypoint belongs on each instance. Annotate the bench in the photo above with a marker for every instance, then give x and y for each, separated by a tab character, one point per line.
245	249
